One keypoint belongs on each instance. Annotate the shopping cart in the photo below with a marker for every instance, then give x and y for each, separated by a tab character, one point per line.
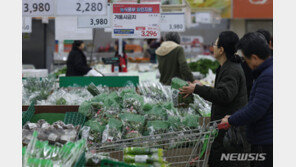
181	149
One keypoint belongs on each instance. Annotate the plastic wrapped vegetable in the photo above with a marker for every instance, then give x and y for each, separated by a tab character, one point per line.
157	127
149	159
134	101
177	84
93	89
142	151
57	133
175	123
147	107
94	159
190	121
155	92
155	164
39	153
89	109
158	112
86	109
112	131
61	101
133	124
96	130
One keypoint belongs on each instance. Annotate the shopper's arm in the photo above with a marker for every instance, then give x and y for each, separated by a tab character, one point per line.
223	93
79	66
183	66
258	107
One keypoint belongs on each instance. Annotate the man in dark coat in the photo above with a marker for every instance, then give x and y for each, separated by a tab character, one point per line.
76	63
258	113
171	60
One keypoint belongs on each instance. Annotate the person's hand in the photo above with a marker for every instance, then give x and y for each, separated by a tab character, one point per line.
198	82
187	89
225	120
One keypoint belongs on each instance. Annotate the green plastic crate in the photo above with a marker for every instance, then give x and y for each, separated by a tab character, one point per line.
74	118
110	81
109	163
81	161
48	117
27	115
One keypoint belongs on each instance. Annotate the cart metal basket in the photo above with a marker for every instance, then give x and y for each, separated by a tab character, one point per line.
181	149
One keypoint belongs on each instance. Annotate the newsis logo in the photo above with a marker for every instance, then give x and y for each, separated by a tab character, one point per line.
243	157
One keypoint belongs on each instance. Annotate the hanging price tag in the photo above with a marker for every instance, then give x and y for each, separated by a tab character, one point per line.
81	7
136	21
38	8
95	21
204	17
27	25
172	22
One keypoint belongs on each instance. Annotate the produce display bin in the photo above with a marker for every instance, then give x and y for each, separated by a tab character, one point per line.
109	163
110	81
28	114
52	114
53	108
48	117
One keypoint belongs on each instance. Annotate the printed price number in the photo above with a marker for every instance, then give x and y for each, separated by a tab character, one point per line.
176	26
88	7
149	34
94	22
36	7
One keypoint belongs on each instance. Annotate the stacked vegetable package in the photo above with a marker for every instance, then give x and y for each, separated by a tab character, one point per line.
131	113
40	153
144	157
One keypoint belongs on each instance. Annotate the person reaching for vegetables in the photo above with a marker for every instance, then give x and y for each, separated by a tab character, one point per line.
258	113
228	95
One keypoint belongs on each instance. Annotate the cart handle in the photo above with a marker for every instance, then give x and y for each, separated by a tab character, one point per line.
223	126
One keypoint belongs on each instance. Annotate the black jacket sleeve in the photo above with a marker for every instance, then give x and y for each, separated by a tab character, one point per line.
80	66
184	68
224	92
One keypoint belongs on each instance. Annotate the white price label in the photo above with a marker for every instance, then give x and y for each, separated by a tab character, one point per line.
27	25
38	7
81	7
204	17
172	22
95	21
66	28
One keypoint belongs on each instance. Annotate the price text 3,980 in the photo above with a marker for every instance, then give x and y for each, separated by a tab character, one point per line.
95	22
36	7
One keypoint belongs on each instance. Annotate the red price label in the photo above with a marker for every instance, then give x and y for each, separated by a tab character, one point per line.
149	34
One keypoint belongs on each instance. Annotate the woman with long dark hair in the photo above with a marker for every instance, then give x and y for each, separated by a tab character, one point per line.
229	93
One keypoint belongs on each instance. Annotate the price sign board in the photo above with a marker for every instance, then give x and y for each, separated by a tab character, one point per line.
95	21
81	7
66	29
204	17
136	21
38	8
27	25
172	22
